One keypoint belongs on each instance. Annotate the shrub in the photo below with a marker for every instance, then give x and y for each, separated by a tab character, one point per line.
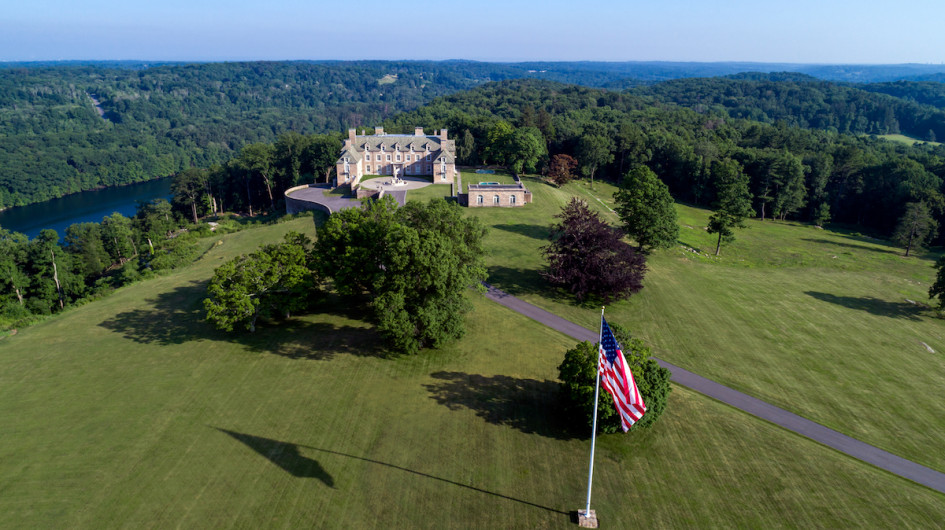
578	373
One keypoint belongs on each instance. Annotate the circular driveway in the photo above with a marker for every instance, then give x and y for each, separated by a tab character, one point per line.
384	183
318	196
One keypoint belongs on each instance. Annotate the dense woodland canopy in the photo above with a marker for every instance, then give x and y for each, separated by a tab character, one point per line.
803	101
158	119
794	173
236	136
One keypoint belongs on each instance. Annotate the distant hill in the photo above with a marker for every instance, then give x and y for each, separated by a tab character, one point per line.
162	117
804	101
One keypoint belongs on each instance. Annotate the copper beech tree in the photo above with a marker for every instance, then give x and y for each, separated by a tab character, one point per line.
589	258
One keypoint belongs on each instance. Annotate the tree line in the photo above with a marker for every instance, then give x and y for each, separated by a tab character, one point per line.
792	172
46	274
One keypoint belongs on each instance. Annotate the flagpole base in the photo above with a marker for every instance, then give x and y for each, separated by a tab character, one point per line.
587	519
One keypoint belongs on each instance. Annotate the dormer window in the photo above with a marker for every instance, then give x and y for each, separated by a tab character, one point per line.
382	147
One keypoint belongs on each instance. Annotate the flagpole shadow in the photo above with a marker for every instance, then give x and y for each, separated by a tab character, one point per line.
441	479
285	455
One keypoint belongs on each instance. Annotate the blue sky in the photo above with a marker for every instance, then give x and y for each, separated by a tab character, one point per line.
800	31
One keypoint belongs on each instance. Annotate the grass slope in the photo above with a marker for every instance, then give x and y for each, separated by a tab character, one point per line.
815	321
132	412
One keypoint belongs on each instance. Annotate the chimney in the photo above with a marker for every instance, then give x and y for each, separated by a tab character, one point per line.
418	131
351	133
443	134
378	131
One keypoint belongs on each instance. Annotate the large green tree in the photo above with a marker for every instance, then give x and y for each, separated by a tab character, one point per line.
415	264
274	281
647	210
594	150
733	203
915	227
527	150
578	374
187	187
13	279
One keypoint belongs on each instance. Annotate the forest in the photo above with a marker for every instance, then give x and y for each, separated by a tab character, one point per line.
805	174
153	120
795	173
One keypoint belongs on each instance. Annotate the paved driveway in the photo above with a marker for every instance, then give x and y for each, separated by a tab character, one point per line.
318	194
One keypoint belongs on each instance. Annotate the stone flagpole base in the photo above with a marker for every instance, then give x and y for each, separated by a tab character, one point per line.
587	520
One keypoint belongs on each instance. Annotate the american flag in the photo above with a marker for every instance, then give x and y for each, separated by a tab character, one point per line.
616	377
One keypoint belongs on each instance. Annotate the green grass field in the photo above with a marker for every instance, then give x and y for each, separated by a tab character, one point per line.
132	412
908	140
816	321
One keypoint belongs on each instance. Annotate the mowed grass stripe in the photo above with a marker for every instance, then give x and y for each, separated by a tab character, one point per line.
158	421
814	321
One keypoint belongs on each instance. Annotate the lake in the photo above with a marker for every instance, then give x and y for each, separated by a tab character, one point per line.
88	206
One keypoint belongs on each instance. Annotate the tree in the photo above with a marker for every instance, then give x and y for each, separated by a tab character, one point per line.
498	149
415	264
916	226
84	242
466	148
578	374
13	281
647	210
276	280
51	280
187	186
527	149
117	238
257	159
587	257
733	202
594	151
938	288
821	214
320	155
561	169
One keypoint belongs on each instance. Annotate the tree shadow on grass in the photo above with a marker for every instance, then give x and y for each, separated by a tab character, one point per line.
518	282
177	317
872	305
285	455
849	245
533	231
528	405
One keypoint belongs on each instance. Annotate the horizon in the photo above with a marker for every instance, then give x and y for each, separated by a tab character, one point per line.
802	32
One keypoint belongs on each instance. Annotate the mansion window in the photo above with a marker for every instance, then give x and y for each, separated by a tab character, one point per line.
367	157
479	199
428	156
495	199
368	168
398	158
408	158
388	158
429	169
511	199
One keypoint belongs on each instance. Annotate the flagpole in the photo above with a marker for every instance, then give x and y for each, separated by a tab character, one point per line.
590	474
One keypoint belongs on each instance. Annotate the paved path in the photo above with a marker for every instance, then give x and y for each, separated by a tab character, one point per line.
815	431
318	193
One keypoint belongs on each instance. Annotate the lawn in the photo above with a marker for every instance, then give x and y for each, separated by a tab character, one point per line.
901	138
816	321
131	412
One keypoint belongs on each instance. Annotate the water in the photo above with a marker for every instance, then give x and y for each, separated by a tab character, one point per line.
88	206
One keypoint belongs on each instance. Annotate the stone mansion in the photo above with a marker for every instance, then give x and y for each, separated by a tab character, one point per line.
400	155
